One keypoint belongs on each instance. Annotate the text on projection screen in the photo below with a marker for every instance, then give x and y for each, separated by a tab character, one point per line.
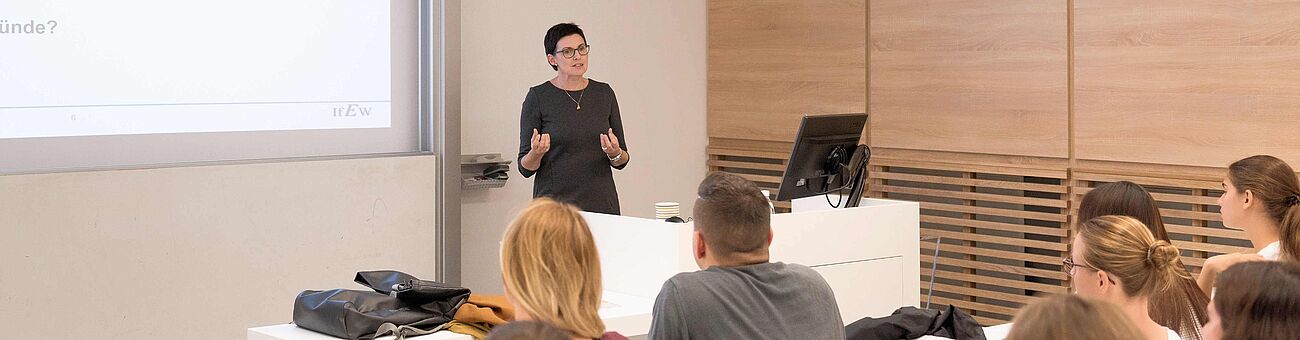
92	67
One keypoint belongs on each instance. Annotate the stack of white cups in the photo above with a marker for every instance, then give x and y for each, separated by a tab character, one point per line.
665	210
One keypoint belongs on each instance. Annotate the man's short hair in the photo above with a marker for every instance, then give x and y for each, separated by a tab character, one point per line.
527	330
732	214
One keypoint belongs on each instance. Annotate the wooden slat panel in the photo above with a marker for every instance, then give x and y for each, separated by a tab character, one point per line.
760	178
1176	198
1200	83
975	305
1010	164
1034	286
1214	248
750	144
983	321
769	154
1059	246
1208	174
983	293
1146	180
1055	203
980	168
927	249
1214	232
971	246
994	211
745	165
1194	215
1177	213
994	225
971	182
1189	199
1009	269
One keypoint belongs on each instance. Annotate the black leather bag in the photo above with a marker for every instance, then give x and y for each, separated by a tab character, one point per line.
912	323
397	303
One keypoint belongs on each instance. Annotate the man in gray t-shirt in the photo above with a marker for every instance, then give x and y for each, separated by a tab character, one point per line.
739	294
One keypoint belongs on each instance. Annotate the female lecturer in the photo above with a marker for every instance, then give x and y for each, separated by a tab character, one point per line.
570	132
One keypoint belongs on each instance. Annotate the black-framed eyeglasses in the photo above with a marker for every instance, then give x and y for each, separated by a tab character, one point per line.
1067	266
569	52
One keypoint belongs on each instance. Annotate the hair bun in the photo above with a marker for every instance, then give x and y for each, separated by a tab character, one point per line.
1162	254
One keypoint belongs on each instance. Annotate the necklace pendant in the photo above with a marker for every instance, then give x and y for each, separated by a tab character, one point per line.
579	107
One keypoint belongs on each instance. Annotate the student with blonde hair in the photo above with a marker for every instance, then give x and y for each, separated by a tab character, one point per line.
1115	259
1126	198
552	271
1261	195
1070	317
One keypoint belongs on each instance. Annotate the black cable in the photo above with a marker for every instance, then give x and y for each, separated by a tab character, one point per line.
851	177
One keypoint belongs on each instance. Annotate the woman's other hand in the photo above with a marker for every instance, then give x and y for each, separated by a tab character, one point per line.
541	143
609	143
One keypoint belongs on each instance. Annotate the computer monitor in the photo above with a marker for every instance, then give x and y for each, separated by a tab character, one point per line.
827	159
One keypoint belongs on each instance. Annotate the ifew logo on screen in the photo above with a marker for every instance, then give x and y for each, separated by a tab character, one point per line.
352	110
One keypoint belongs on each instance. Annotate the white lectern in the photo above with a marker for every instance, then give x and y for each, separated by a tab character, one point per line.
869	254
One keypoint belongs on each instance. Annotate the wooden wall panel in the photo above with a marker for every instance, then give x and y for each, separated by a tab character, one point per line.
974	105
1200	83
771	62
969	76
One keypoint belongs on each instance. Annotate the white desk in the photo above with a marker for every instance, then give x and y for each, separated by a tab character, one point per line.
626	314
997	332
870	255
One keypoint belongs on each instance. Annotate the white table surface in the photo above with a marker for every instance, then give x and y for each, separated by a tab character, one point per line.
626	314
997	332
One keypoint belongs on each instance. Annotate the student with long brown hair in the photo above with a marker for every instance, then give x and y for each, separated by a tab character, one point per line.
1115	259
552	271
1126	198
1261	195
1257	301
1070	317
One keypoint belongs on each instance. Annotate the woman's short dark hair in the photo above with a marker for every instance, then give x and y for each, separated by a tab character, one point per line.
557	32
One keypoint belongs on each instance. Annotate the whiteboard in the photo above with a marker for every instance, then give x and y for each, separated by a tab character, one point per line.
94	84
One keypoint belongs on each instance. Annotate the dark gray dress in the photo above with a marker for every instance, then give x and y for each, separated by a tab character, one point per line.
575	170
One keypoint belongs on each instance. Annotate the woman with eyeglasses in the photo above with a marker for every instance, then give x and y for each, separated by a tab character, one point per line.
1126	198
570	132
1117	260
